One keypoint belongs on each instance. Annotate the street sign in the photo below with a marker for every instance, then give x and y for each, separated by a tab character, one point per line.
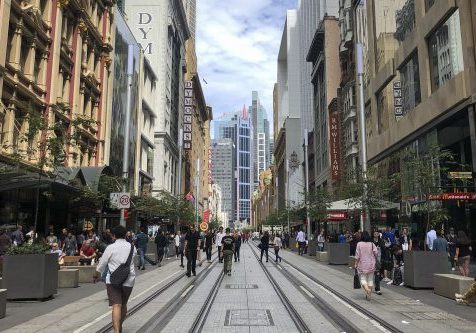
204	226
120	200
463	196
460	175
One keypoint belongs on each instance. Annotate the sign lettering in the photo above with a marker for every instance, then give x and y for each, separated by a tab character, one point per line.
334	143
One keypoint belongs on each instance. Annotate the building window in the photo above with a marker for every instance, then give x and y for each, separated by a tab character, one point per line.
410	79
446	52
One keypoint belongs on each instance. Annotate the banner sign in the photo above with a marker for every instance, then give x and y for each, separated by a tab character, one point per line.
398	99
464	196
334	142
188	116
460	175
206	215
337	216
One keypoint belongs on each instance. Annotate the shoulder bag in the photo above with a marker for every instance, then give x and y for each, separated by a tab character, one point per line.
121	273
356	280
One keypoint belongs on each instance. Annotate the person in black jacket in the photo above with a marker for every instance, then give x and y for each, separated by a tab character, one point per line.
264	245
237	245
209	244
161	242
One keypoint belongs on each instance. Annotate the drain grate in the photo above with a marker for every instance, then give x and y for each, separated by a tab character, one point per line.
429	315
398	302
241	286
248	317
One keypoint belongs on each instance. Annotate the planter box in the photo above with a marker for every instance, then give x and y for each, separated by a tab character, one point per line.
3	302
312	247
68	278
322	256
338	253
86	273
420	266
448	285
30	276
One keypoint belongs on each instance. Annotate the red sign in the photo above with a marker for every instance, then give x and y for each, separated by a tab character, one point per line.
337	216
465	196
334	143
206	215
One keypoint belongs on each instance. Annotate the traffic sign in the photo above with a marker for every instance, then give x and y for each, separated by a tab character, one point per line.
204	226
120	200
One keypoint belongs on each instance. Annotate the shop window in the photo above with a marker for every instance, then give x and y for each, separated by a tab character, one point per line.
410	83
446	52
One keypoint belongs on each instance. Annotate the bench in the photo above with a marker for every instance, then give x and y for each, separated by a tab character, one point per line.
3	302
448	285
71	260
322	256
86	273
68	278
352	261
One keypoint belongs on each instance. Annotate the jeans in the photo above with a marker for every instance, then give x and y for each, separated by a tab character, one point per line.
220	259
209	252
302	248
191	261
264	250
227	259
237	253
160	254
177	252
276	251
141	251
377	279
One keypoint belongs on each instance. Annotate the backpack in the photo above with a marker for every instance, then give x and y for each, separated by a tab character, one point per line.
397	276
121	273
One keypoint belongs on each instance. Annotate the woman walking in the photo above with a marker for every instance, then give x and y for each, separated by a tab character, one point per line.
365	260
264	245
463	253
278	244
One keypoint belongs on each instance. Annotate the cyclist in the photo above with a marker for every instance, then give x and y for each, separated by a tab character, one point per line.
227	248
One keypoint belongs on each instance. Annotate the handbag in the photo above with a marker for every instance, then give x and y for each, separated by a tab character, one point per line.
356	280
121	273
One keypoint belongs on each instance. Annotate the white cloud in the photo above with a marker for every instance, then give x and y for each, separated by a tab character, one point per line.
237	47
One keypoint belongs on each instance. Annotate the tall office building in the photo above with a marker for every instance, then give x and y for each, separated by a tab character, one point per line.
239	129
260	122
223	159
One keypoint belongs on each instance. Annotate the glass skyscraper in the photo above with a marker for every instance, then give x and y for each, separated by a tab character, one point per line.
261	148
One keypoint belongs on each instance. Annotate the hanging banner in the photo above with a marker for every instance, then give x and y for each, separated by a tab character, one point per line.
188	116
334	143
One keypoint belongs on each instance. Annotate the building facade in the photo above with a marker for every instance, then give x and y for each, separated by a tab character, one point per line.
261	140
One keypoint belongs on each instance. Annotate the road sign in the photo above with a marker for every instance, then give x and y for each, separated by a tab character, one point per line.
120	200
204	226
460	175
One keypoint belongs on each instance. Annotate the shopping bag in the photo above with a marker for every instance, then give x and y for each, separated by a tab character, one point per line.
356	280
297	245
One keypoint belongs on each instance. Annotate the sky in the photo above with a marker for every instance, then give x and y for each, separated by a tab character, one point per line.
237	49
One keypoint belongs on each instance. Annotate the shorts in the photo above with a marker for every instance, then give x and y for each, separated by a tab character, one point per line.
118	295
367	278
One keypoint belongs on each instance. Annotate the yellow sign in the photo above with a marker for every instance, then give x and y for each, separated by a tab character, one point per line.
204	226
460	175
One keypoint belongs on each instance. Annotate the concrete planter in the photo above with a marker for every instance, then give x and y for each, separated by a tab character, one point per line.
312	247
338	253
86	273
30	276
68	278
3	302
322	256
420	266
448	285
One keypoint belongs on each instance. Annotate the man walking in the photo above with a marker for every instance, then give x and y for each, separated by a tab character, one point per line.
192	246
161	242
141	242
301	239
208	245
236	250
177	244
218	239
227	243
440	244
430	237
119	253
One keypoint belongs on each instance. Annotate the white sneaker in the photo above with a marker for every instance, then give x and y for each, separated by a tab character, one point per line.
390	282
452	268
402	284
385	279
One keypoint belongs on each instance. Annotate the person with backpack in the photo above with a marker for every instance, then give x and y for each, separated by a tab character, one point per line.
162	243
118	265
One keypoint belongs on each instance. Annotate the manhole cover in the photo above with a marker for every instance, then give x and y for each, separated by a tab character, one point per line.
241	286
398	302
430	315
248	317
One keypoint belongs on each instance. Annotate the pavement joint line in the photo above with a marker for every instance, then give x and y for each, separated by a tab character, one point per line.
186	291
307	292
153	286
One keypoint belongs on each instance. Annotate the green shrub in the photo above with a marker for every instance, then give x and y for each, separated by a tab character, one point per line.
28	249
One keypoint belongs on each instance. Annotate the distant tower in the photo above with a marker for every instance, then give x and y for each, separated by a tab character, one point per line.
261	154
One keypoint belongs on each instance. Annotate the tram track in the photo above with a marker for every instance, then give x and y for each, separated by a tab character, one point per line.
293	313
139	306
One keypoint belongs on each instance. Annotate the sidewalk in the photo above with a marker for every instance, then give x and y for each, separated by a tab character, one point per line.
73	307
396	302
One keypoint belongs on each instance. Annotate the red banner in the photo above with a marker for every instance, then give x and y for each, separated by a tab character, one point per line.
465	196
206	215
334	143
337	216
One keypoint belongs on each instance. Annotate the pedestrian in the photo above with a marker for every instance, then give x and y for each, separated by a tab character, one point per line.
463	252
264	245
468	297
390	234
51	238
80	240
236	250
141	243
405	240
209	245
320	241
387	260
17	236
87	253
129	238
342	239
161	243
192	246
31	236
218	238
301	239
440	244
182	249
116	262
167	245
228	245
278	244
177	244
5	242
365	263
63	235
70	246
451	238
379	244
430	237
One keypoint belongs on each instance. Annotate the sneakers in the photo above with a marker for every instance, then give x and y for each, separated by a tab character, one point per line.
378	292
390	282
458	296
386	279
453	269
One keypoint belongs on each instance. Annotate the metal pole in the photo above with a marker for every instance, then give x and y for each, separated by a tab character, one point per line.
287	194
307	185
197	184
125	153
180	144
364	225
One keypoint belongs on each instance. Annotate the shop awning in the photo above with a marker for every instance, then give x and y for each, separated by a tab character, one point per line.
355	204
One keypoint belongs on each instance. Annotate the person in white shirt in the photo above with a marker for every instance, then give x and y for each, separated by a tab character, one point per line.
430	237
177	244
115	255
301	239
278	244
218	239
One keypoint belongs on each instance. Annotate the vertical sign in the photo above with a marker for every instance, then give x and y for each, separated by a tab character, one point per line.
334	143
188	116
397	99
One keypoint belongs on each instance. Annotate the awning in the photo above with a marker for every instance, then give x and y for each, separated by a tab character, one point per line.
355	204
